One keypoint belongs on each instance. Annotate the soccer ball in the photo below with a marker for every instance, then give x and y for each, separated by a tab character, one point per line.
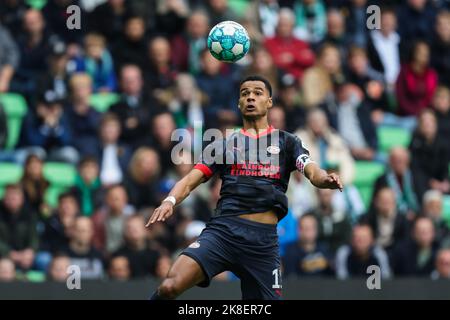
228	41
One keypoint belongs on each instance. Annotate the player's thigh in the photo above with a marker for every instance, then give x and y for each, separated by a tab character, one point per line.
186	272
261	278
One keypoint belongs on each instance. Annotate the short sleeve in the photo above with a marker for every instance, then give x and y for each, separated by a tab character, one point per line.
212	159
300	155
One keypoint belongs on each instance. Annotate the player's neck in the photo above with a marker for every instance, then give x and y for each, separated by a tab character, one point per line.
256	126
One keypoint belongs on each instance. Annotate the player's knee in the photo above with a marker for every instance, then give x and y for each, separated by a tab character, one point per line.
169	289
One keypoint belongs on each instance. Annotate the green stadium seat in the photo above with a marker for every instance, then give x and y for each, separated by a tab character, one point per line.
52	194
14	127
102	101
446	209
389	137
15	104
239	6
10	173
15	109
367	172
36	4
366	195
60	174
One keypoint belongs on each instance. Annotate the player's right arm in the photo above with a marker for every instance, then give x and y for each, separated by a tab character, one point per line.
180	191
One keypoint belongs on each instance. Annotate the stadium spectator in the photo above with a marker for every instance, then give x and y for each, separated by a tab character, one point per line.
35	185
423	15
81	251
354	123
370	81
58	268
134	107
441	107
353	260
83	119
33	44
217	83
160	71
336	33
131	47
416	82
356	22
119	268
440	48
142	176
9	58
307	257
400	178
334	226
289	100
143	258
97	62
11	13
55	13
56	79
162	126
442	269
170	17
319	81
109	18
432	207
186	102
429	156
383	47
59	227
113	156
109	220
277	117
291	55
326	146
262	64
416	256
47	133
310	20
219	10
263	15
18	229
186	47
87	187
7	270
163	266
389	226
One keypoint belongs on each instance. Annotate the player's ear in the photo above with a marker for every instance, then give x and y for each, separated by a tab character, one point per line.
270	103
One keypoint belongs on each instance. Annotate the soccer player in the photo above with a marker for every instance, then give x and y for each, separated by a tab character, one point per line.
242	235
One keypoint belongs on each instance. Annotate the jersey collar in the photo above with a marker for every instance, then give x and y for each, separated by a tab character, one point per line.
251	135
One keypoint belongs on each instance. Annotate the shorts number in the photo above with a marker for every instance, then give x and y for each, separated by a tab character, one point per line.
276	274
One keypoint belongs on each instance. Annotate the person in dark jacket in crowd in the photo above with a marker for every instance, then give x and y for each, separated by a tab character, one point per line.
430	156
18	228
415	256
389	226
307	257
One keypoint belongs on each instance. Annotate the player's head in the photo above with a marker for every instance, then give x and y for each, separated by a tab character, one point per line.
255	97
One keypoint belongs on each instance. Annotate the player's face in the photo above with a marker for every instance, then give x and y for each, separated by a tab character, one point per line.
254	99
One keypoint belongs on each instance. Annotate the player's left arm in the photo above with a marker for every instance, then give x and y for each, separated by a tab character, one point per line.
322	179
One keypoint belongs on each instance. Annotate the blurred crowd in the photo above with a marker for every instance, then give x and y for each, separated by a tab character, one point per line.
336	81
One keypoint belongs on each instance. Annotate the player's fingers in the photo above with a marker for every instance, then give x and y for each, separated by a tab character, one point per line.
154	216
162	214
166	214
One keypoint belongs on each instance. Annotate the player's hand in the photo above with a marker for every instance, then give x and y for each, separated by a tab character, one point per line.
163	212
332	181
